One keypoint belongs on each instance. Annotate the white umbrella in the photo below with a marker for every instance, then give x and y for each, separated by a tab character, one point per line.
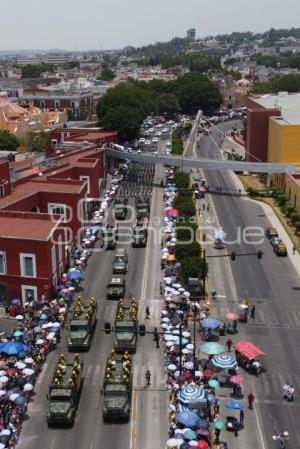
176	285
56	324
2	372
19	317
173	239
5	432
164	256
181	289
172	367
13	396
187	294
28	371
173	442
190	346
29	360
20	365
2	446
243	306
164	326
164	312
46	325
186	334
186	351
28	387
169	344
165	250
62	309
4	379
2	392
50	336
165	320
40	341
198	374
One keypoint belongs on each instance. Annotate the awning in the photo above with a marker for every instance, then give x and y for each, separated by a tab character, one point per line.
249	350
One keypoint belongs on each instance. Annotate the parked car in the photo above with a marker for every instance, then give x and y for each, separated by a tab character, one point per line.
271	232
275	241
280	249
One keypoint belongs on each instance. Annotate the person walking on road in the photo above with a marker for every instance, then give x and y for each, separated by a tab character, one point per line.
294	249
203	207
156	337
236	427
229	343
147	311
148	377
208	208
242	415
252	313
250	400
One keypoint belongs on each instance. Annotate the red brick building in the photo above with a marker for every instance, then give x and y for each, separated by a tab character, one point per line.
257	131
32	256
5	188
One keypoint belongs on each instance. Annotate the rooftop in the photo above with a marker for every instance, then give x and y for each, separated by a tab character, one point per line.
288	104
18	225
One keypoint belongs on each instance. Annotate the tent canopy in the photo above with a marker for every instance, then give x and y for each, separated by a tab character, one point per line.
249	350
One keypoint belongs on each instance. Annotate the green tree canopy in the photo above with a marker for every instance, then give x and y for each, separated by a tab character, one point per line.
107	75
38	141
168	104
35	71
125	120
8	141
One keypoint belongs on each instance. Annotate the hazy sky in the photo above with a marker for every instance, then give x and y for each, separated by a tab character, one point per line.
94	24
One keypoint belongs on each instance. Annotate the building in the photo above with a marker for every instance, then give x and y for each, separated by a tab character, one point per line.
191	34
32	255
21	121
43	215
79	105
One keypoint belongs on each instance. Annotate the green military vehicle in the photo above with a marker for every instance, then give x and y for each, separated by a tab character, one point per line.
116	287
120	262
142	207
126	326
64	392
120	209
117	388
109	236
82	325
139	233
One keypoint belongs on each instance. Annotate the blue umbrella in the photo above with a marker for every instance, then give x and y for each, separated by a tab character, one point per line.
203	423
188	419
212	348
190	435
18	334
13	348
184	341
74	275
15	301
210	323
224	361
213	383
212	399
234	405
191	394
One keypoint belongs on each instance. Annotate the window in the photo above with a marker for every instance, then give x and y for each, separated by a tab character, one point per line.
86	178
60	254
29	293
42	104
2	262
28	265
57	105
57	209
73	104
1	191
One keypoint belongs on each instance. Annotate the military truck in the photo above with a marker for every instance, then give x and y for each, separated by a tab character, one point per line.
116	287
117	388
126	326
64	392
82	325
120	209
120	262
139	233
109	236
142	207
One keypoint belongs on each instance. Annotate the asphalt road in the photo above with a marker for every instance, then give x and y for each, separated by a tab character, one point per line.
273	286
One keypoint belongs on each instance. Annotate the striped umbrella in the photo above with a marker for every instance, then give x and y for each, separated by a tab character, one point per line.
224	361
212	348
191	394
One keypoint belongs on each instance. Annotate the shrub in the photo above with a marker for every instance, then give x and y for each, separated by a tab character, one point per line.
192	267
297	226
182	180
295	217
188	250
289	209
281	200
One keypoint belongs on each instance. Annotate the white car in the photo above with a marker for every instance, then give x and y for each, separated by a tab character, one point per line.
142	140
151	130
168	144
158	134
165	130
147	142
156	153
167	152
138	151
159	125
154	140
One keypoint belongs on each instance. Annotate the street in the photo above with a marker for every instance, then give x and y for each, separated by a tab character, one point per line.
273	286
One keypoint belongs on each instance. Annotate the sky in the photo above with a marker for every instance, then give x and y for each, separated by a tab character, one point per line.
107	24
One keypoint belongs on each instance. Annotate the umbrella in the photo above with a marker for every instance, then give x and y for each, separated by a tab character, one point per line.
202	444
243	306
234	405
202	431
20	400
171	258
190	435
37	330
213	383
224	361
236	380
198	374
28	371
19	317
2	446
172	367
74	275
28	387
40	341
20	365
249	350
208	373
191	394
219	425
231	316
212	348
184	341
173	442
210	323
13	348
18	334
188	419
189	365
15	301
13	396
5	432
28	360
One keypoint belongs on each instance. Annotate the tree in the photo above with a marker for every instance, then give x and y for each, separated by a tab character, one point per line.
126	121
106	75
35	71
38	141
261	87
8	141
168	104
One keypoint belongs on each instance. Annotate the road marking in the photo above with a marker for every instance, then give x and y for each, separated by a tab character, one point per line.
42	374
133	421
96	375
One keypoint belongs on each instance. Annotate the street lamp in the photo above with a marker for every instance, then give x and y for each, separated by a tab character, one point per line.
282	439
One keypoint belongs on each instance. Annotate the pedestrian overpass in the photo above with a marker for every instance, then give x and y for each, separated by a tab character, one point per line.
197	162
